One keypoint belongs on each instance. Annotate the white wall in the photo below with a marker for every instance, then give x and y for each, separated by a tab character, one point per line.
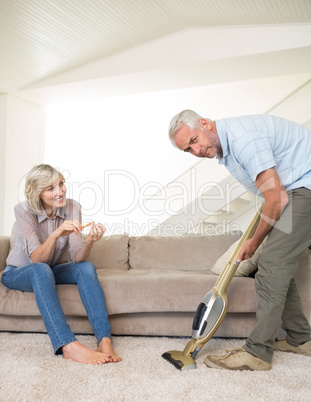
3	120
22	126
115	152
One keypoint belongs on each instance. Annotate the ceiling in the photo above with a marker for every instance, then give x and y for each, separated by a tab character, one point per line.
49	48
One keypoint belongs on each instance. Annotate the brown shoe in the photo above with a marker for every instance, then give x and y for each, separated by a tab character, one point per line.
281	345
237	359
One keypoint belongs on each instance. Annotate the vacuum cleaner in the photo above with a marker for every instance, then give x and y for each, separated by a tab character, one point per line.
212	309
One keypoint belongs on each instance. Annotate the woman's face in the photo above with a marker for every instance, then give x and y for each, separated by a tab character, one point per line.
54	196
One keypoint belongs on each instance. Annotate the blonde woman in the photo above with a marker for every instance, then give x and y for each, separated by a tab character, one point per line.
50	250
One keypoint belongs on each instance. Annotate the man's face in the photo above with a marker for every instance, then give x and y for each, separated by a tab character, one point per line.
201	141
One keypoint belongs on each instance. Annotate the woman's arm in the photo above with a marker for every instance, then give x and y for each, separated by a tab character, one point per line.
95	234
44	252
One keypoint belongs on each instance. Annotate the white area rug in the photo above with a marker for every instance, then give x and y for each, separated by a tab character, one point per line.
29	371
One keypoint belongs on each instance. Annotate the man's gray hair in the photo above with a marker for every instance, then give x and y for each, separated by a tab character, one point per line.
188	118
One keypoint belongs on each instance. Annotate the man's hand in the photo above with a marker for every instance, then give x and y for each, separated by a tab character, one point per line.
247	251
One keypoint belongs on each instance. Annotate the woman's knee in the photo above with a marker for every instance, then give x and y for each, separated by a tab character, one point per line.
42	269
86	267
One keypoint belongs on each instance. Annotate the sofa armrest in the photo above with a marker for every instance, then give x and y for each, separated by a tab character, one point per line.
303	279
4	251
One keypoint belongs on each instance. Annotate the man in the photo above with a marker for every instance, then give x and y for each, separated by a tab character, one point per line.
270	156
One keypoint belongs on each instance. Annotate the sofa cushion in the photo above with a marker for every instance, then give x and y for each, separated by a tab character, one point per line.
110	253
170	291
139	291
245	267
186	253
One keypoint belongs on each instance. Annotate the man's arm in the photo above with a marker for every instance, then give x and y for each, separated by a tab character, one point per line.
269	184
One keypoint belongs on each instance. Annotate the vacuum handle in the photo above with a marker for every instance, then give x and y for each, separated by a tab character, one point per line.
248	234
232	265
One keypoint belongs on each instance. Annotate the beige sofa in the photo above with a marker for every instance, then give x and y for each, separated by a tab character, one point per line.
152	285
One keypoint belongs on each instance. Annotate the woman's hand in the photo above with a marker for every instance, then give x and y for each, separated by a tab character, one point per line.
95	234
68	227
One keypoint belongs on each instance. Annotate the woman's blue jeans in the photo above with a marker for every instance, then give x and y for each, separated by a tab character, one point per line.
42	279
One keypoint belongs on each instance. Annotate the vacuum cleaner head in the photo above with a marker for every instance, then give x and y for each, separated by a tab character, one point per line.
184	360
180	360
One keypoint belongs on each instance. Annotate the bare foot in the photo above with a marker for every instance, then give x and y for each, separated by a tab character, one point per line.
79	353
105	347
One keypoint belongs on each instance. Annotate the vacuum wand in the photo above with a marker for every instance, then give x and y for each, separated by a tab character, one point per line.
212	309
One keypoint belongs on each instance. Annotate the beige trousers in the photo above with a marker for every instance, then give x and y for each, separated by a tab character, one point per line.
275	283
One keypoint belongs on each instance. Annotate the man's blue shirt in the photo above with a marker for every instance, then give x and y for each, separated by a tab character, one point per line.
252	144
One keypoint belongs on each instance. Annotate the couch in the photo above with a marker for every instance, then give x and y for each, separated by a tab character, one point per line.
152	285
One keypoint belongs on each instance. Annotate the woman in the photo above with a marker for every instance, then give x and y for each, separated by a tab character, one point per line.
49	250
